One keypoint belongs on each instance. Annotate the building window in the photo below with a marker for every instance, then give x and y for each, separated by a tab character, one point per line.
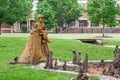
81	24
94	25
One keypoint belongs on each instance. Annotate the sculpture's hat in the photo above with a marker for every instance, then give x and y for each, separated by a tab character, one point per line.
40	16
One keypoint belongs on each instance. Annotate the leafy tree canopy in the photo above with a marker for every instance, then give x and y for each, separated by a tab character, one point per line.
18	11
66	11
49	15
14	10
102	11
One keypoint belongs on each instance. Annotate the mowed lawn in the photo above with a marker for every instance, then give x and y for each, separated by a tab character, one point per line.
11	47
67	36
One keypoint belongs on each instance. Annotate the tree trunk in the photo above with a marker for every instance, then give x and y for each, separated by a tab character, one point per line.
60	29
56	30
60	24
103	32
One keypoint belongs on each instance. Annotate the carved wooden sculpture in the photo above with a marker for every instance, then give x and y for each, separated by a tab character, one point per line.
82	76
49	62
101	64
37	45
74	58
114	69
79	58
65	65
117	52
55	64
85	64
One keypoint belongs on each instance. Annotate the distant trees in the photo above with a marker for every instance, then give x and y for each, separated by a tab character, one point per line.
102	12
66	11
49	14
4	5
14	10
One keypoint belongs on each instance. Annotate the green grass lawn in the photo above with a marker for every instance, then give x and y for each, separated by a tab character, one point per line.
112	42
12	45
66	36
63	48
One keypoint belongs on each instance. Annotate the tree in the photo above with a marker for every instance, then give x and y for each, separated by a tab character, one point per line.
102	12
49	15
14	10
66	11
40	0
4	5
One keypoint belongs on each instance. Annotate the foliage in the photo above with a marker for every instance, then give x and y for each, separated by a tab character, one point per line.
14	10
66	11
102	11
18	11
40	0
24	29
118	6
49	15
4	5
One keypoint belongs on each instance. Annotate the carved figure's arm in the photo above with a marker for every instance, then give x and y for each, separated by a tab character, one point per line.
34	29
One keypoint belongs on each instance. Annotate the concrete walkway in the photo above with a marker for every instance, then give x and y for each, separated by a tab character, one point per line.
111	46
102	77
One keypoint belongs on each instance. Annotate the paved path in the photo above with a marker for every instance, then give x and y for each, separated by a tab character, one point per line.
102	77
111	46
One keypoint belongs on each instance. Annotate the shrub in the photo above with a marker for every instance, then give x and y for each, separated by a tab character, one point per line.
24	29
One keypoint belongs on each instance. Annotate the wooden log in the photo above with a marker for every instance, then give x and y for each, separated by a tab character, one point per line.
74	57
47	61
65	65
51	61
85	64
79	58
55	64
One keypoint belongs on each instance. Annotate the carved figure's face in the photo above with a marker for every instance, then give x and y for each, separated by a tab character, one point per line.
41	19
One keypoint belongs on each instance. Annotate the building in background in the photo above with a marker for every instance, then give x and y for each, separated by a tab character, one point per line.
30	22
17	26
82	25
83	22
5	28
